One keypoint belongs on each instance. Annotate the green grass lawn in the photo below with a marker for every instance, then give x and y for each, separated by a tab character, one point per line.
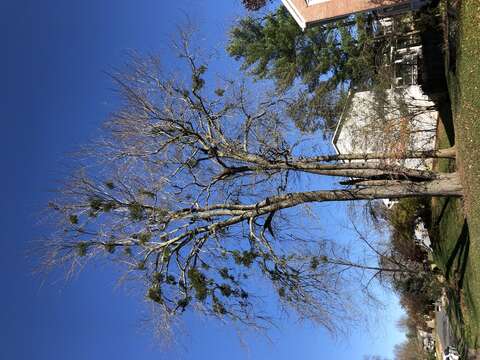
451	248
456	223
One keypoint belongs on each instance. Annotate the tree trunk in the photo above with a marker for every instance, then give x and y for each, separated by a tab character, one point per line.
443	185
449	153
354	165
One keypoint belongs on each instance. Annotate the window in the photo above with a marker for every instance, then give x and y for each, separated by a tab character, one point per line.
406	73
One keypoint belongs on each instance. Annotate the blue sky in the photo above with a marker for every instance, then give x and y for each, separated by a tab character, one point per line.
54	95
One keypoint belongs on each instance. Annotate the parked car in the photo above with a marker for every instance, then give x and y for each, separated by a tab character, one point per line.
451	353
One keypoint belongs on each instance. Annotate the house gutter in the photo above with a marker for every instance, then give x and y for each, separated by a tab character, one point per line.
296	15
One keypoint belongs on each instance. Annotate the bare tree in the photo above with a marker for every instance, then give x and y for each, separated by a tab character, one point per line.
193	188
374	357
410	349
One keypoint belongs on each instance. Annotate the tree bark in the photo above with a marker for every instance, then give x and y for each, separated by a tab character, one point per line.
355	165
449	153
444	185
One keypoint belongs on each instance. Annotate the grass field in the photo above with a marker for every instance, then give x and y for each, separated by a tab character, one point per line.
451	251
456	223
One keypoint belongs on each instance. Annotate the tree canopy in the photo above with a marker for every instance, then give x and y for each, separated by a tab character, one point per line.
325	61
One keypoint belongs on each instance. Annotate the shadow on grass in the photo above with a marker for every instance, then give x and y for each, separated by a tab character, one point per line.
442	211
456	267
458	326
459	257
446	116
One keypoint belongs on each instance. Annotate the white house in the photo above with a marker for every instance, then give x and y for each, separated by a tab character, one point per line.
404	120
361	130
400	118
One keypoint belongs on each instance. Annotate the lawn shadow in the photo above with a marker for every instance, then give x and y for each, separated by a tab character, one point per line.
457	266
446	117
462	259
442	212
459	257
457	325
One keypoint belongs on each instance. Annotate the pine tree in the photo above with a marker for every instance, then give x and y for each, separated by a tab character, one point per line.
254	5
326	61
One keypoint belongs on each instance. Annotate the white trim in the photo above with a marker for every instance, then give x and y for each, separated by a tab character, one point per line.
295	13
314	2
340	121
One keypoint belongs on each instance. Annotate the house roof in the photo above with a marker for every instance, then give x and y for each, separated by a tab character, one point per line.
311	12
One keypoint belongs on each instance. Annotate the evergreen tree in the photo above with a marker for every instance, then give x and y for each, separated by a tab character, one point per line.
325	61
254	5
